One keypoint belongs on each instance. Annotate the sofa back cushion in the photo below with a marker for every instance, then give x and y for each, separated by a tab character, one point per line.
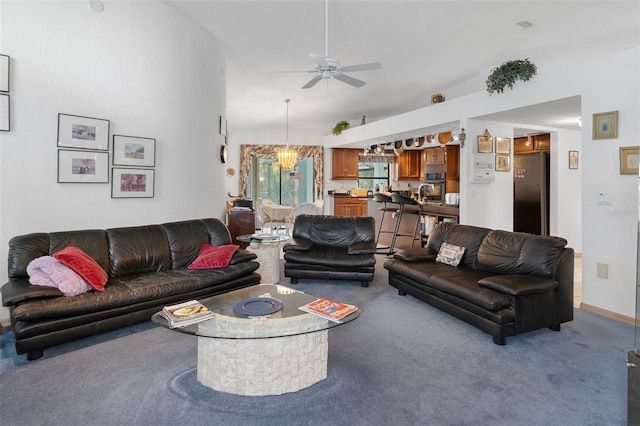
467	236
24	248
186	238
506	252
138	250
338	231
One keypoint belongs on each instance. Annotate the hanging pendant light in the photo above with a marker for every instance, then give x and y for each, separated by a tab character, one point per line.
287	156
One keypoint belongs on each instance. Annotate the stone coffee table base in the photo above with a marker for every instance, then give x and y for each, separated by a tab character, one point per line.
263	366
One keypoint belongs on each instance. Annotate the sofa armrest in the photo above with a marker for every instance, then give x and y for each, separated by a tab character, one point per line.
518	285
297	244
362	248
416	255
19	290
242	255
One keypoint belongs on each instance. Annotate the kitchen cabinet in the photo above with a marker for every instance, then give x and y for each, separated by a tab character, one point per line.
434	155
453	168
345	163
349	206
409	165
536	143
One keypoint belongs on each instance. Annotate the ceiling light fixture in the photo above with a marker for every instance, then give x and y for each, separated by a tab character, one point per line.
287	156
96	5
524	24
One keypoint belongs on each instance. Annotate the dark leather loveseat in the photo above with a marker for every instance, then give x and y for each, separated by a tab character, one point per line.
507	283
331	248
147	269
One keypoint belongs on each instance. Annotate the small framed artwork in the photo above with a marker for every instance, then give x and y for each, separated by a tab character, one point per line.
503	146
629	160
605	125
75	131
132	183
503	163
134	151
485	144
223	126
4	73
5	113
83	166
573	159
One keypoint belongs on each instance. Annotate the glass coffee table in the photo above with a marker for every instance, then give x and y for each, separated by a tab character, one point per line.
267	249
265	355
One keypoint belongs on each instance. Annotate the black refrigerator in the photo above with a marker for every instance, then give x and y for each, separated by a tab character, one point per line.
531	193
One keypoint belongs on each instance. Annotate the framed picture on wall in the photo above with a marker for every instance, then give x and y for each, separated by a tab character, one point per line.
503	145
4	73
605	125
485	144
83	166
75	131
5	113
132	183
503	163
629	160
134	151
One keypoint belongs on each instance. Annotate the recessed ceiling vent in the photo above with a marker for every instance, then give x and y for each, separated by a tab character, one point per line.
524	24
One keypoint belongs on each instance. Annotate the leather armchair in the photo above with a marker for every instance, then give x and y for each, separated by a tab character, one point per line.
331	247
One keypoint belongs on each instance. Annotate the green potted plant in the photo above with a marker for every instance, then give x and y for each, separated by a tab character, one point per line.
507	74
340	127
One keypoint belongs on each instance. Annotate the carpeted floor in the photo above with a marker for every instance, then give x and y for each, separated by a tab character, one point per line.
401	363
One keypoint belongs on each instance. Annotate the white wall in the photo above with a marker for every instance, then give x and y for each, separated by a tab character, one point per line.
150	71
607	233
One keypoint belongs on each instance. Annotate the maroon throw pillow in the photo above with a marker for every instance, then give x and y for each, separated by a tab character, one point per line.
84	265
214	256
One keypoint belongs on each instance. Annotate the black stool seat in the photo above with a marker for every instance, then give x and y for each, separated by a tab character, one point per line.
407	205
387	206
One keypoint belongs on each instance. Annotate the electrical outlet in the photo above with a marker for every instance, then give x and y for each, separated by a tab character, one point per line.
602	270
604	199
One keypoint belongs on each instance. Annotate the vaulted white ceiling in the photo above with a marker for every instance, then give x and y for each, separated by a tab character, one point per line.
424	47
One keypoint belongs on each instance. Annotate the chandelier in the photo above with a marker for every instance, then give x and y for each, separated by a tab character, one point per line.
287	156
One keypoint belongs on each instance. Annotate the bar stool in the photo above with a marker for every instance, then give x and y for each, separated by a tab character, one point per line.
408	206
385	200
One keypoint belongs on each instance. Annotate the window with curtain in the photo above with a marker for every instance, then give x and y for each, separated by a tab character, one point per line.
373	170
266	180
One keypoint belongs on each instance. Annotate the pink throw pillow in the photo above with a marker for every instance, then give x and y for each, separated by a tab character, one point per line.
214	256
84	265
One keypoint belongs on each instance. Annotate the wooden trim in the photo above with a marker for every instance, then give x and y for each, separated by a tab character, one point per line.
612	315
578	255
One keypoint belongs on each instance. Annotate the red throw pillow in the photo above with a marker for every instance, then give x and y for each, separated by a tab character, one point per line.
83	265
214	256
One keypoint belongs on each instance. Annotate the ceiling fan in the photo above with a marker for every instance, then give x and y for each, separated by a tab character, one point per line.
327	67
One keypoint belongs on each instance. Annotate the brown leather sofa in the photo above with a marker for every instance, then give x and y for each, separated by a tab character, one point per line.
331	248
147	269
507	283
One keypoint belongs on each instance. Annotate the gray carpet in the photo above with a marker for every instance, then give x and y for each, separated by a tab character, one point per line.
401	363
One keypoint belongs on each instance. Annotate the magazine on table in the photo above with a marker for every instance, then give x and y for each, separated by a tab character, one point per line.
187	313
329	309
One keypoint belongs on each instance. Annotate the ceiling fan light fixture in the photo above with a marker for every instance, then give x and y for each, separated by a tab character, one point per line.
287	156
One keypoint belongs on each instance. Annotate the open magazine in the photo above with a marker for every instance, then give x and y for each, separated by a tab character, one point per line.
187	313
329	309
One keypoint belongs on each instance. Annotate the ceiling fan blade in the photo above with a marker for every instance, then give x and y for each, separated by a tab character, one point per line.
312	82
361	67
320	60
349	80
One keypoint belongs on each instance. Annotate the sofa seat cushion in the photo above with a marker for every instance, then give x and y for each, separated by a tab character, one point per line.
130	290
330	255
519	285
464	284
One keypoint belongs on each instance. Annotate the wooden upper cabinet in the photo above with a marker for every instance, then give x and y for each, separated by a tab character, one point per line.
345	163
536	143
409	165
434	155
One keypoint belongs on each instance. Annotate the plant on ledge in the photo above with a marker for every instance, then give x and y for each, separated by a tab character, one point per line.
340	127
507	74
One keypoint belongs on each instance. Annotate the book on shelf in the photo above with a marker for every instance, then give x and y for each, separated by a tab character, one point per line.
187	313
329	309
